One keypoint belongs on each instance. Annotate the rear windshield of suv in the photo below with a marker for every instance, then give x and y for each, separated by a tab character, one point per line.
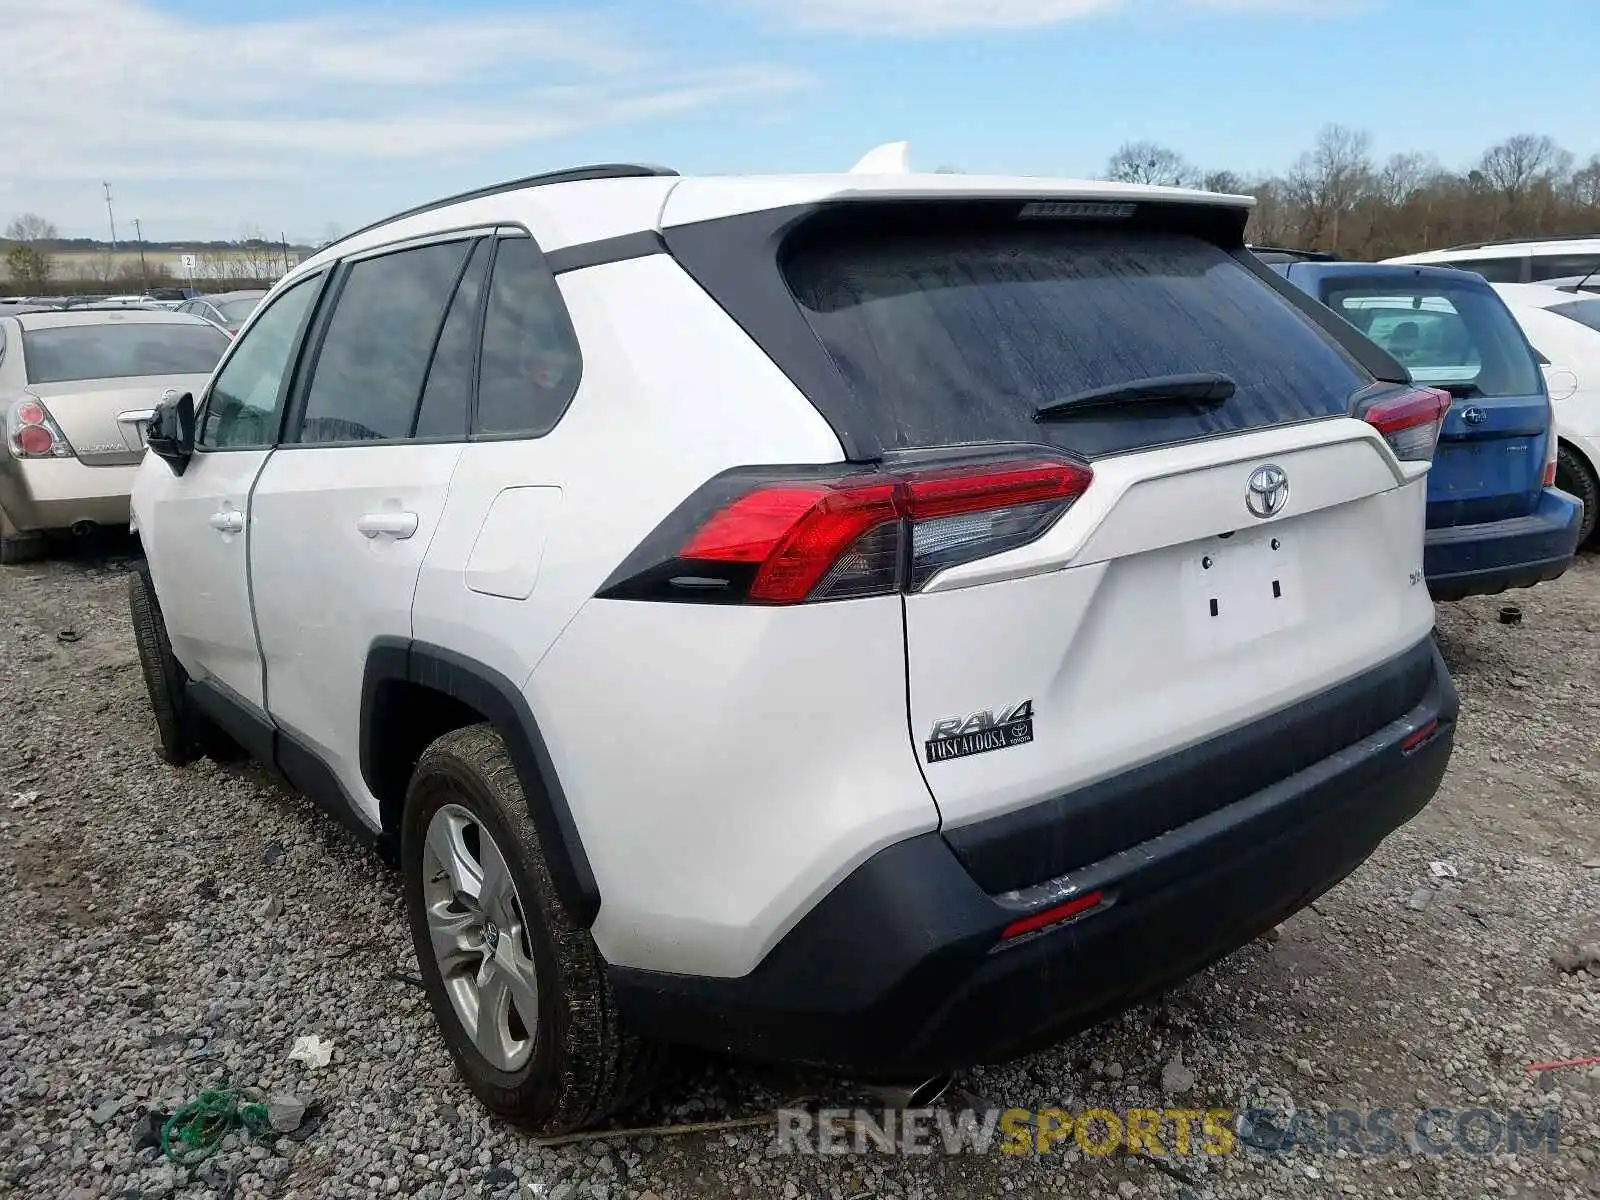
956	336
1442	331
108	350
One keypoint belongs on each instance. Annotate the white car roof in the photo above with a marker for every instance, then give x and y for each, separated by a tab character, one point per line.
1539	249
1534	295
570	213
106	316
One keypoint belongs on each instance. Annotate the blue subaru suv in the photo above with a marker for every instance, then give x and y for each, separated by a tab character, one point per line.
1495	518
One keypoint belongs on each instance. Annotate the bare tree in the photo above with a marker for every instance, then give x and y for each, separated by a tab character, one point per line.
31	227
1515	169
1584	187
1327	181
1224	180
1147	162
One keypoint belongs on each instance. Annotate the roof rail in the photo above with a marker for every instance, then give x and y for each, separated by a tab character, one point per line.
1519	241
570	175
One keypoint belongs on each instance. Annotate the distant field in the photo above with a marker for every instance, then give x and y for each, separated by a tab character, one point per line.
77	268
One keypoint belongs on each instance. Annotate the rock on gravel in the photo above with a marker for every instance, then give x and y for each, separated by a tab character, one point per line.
136	972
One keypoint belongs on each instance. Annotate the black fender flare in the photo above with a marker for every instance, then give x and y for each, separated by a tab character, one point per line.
501	702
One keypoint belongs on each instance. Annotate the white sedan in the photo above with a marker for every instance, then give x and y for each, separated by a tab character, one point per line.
1564	327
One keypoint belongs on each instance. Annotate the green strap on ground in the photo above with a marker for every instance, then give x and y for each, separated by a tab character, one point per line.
196	1131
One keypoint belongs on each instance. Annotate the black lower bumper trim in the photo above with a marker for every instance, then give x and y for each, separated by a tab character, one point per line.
898	971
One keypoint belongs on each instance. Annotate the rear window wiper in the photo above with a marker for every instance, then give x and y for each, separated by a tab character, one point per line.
1204	388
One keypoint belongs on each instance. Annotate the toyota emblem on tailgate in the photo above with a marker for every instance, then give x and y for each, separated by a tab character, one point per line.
1267	492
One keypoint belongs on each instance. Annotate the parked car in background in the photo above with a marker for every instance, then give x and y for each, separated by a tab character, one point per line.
75	388
1565	332
172	294
1495	518
1027	611
1526	260
226	310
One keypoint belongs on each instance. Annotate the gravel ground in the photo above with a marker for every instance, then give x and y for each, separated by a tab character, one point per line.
164	931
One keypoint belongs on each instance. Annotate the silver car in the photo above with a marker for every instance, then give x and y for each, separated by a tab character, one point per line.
226	310
75	390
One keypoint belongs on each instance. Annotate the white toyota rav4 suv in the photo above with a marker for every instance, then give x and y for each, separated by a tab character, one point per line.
881	622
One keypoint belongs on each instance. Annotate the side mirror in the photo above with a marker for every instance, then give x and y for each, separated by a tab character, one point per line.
170	433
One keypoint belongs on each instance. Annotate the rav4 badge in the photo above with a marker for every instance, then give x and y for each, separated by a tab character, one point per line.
958	737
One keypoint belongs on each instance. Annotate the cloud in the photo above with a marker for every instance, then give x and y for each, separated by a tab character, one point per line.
121	89
933	18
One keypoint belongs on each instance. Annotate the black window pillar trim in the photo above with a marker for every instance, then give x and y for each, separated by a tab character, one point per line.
501	702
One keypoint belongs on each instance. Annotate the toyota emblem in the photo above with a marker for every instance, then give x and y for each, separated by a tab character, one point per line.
1267	492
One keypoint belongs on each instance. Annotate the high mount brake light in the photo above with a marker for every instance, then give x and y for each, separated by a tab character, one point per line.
1410	421
788	541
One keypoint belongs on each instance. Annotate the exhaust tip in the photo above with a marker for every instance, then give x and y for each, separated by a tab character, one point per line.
84	528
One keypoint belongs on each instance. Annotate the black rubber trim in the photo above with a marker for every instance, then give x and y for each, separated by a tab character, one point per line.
1058	835
900	970
298	763
605	250
500	702
236	717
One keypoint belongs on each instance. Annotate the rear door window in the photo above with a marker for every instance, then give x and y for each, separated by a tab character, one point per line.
951	336
1442	332
369	373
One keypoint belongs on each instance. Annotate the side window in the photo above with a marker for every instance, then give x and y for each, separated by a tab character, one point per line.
1495	270
1560	266
241	409
530	363
368	375
447	397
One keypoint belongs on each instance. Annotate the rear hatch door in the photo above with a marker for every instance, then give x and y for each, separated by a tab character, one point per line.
1451	330
1182	597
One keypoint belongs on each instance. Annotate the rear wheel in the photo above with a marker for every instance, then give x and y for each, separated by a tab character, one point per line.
1574	476
518	989
184	734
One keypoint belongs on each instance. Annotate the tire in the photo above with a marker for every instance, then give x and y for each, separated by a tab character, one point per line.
576	1064
184	734
1574	476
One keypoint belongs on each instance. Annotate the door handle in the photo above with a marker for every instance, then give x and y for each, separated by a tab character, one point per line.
229	520
395	524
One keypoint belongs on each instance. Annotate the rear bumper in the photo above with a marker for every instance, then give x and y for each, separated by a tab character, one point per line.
899	970
57	493
1482	559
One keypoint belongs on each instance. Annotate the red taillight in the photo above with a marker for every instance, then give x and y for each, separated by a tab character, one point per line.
1075	907
789	541
1415	739
30	432
1410	421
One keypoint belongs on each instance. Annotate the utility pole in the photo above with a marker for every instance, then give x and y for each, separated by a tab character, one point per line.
113	217
144	274
283	244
